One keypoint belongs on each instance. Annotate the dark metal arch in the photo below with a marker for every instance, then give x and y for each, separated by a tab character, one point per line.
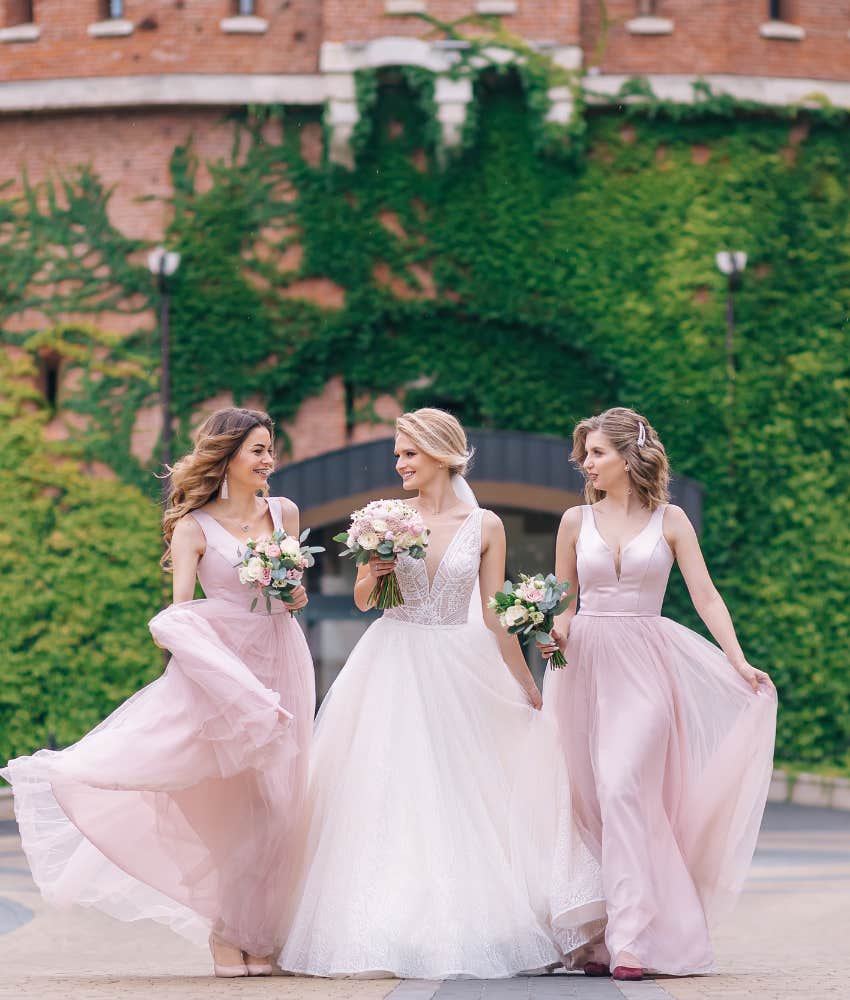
510	469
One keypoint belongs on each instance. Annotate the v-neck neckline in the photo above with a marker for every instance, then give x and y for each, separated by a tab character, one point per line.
631	541
446	551
239	541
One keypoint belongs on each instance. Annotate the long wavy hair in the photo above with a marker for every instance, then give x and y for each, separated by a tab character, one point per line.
197	477
439	434
649	470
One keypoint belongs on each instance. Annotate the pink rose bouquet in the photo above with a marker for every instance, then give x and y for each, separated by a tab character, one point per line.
274	565
383	529
529	609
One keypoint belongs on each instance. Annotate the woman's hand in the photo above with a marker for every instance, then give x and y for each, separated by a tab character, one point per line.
752	675
535	699
548	649
380	567
297	598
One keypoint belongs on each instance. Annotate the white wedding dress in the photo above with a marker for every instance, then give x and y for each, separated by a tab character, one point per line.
440	839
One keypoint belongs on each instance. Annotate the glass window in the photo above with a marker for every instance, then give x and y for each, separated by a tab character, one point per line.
246	8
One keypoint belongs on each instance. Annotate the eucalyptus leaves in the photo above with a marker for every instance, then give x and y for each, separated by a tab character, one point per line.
529	609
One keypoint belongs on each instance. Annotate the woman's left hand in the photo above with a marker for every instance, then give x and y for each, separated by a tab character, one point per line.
297	598
752	675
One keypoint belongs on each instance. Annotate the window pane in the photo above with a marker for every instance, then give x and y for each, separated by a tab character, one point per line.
246	7
116	8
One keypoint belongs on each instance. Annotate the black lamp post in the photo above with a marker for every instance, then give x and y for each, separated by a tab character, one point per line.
163	264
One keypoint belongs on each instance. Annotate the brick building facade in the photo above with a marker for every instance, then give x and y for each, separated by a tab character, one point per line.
119	83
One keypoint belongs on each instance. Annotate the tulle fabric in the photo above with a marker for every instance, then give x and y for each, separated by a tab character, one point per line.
670	756
440	836
182	805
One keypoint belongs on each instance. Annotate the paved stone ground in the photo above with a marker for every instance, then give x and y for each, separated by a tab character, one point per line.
787	939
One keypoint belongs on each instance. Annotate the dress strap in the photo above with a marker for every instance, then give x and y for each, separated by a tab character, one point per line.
276	512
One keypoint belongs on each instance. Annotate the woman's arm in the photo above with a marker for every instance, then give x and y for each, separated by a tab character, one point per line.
492	577
709	605
367	576
291	520
187	546
565	569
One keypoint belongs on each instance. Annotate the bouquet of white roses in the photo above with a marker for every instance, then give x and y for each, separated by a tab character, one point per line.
529	609
383	529
274	565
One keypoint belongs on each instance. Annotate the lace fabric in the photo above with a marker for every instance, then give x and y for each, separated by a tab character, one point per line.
446	600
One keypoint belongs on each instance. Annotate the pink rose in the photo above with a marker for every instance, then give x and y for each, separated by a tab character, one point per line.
266	577
273	551
294	575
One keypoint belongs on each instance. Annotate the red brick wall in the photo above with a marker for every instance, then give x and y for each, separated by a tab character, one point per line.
170	36
722	37
537	20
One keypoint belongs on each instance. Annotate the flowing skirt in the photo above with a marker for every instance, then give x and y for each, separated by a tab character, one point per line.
440	837
182	806
670	755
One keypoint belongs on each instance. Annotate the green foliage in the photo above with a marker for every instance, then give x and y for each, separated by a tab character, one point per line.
523	291
78	579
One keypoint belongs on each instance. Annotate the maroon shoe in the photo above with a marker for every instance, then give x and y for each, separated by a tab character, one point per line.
596	969
627	972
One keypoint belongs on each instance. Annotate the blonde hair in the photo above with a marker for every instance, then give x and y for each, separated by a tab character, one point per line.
438	434
649	470
197	477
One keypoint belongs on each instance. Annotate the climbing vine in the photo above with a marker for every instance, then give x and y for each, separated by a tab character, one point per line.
523	290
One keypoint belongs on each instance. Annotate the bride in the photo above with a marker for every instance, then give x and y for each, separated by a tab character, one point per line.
440	836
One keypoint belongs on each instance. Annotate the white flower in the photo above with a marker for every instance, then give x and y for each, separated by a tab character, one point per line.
516	615
290	547
252	571
404	540
368	540
537	617
379	525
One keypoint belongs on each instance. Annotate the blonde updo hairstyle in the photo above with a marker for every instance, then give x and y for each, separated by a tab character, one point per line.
197	477
439	435
649	470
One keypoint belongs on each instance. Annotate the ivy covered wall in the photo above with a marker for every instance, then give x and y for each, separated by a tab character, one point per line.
521	289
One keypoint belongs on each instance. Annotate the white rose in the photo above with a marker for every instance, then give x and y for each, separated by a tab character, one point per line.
369	540
380	525
252	572
516	615
290	546
404	540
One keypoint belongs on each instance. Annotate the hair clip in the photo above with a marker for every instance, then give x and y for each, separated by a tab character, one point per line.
641	438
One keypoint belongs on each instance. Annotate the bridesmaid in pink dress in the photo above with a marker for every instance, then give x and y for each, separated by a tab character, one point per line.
668	739
182	806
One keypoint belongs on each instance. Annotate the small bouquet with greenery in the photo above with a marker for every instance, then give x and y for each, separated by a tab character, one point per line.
529	609
383	529
274	565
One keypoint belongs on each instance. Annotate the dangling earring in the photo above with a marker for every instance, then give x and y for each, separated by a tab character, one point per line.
223	491
629	490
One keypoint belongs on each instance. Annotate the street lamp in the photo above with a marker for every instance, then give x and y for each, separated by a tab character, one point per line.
163	264
732	263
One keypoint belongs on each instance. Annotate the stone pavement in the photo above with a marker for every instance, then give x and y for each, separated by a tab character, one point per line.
788	938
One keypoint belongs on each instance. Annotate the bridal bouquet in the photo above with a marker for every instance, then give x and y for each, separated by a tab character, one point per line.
274	565
384	528
529	609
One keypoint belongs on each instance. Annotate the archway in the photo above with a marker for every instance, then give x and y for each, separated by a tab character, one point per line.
526	478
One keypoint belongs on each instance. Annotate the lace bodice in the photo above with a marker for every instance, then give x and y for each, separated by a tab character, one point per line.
645	564
446	600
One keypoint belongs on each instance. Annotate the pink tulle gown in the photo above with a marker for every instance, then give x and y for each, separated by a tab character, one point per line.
669	753
182	806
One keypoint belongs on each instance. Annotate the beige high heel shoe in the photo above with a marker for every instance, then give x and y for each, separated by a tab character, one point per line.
226	971
257	966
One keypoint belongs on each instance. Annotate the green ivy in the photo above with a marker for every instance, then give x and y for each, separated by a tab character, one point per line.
524	291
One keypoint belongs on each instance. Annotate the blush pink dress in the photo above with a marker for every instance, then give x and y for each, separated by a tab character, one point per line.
669	753
183	805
